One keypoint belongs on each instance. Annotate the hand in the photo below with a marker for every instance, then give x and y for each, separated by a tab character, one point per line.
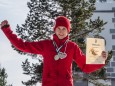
4	23
104	54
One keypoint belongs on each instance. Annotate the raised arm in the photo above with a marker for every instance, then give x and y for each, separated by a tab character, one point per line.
80	59
30	47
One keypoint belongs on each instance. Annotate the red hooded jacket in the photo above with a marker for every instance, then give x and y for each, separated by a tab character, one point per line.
55	72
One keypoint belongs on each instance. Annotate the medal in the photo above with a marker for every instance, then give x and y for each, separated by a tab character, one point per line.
62	55
56	57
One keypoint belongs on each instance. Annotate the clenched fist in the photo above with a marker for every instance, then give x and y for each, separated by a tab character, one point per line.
4	23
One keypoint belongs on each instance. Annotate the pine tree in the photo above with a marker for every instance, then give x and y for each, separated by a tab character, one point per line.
3	77
39	24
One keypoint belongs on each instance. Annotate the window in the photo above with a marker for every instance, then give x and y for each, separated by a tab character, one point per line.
113	36
113	20
113	8
107	1
112	30
102	0
113	47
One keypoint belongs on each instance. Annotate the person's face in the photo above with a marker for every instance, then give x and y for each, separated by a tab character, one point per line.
61	32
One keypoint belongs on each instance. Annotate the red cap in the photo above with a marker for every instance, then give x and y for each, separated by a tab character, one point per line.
62	21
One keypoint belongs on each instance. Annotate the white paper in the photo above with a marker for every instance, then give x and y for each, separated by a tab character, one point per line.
94	48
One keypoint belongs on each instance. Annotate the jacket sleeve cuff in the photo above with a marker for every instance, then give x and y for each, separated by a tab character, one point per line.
5	26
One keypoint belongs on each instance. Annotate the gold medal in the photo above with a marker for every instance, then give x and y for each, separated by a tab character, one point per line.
56	57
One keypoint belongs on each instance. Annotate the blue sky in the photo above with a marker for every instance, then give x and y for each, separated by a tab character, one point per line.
15	11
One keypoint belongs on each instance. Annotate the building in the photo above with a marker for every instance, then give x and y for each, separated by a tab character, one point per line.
105	9
109	32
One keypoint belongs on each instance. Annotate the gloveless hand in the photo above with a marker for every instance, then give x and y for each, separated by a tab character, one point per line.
3	23
104	54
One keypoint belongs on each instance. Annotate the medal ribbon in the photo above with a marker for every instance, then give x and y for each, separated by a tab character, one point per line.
58	49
